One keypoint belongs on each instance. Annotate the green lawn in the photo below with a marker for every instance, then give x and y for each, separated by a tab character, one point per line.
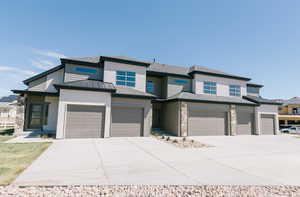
4	138
16	157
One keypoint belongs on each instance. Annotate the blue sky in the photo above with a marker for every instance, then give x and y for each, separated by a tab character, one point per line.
259	39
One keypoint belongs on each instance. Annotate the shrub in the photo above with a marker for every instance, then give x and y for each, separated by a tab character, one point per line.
168	138
175	141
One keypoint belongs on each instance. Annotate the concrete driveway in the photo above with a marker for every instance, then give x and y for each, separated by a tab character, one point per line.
241	160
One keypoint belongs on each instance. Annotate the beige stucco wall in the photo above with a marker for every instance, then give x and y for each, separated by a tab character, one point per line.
142	103
110	69
82	98
222	84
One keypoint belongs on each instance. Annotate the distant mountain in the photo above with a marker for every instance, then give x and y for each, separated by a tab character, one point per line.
9	98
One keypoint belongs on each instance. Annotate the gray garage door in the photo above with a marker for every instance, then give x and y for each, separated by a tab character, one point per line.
206	123
244	123
84	121
126	122
267	124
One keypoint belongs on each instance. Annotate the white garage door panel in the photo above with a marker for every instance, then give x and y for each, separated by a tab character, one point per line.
206	123
84	121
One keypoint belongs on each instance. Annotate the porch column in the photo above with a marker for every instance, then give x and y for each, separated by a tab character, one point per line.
183	119
20	116
232	120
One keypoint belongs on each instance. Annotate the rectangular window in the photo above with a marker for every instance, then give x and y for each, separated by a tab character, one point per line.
296	110
210	87
150	87
180	81
234	90
253	90
124	78
86	70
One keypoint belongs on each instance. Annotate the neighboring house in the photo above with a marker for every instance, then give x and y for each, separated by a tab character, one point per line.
7	114
112	96
289	112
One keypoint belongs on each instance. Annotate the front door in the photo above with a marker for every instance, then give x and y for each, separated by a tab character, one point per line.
35	116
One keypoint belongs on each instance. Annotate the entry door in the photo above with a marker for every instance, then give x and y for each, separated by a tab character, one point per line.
36	116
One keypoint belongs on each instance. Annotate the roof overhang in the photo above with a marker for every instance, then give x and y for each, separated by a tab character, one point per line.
220	75
35	77
78	62
261	102
205	101
36	93
62	86
124	61
255	85
163	74
133	96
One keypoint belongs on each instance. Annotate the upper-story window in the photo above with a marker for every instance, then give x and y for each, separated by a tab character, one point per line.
210	87
86	70
125	78
181	81
296	110
253	90
150	86
234	90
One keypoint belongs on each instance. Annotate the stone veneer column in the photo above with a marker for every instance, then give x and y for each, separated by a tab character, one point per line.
183	119
232	119
19	120
257	122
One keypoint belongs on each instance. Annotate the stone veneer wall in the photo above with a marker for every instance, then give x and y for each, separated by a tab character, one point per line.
232	120
19	121
183	119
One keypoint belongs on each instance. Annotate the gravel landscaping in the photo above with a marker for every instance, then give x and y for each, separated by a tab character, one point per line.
153	190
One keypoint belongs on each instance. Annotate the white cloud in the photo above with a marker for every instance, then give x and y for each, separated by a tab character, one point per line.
9	70
42	64
46	53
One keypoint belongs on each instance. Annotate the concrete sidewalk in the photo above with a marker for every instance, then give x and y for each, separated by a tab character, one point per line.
241	160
